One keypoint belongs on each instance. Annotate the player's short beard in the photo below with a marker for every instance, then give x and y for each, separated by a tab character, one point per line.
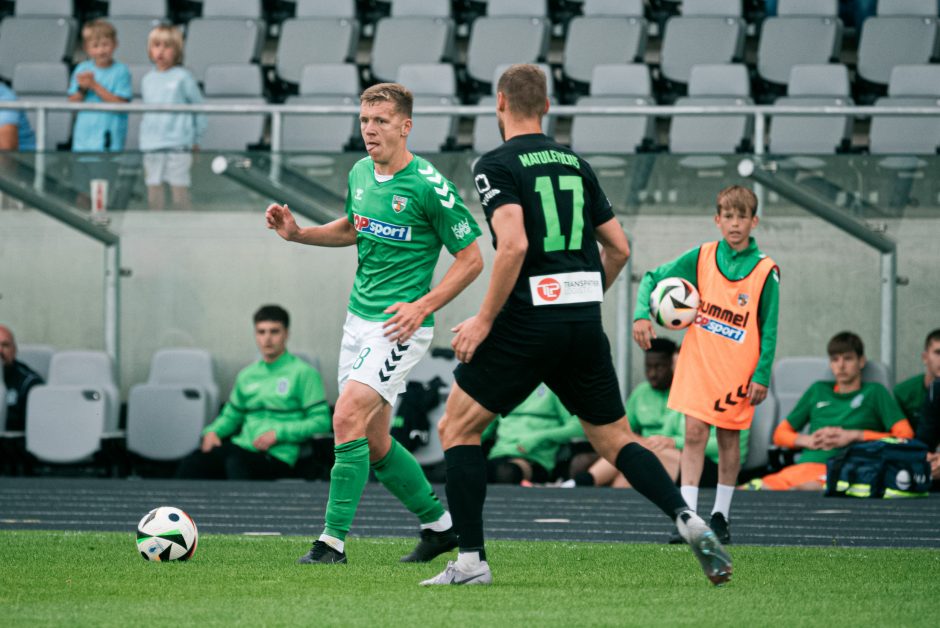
502	128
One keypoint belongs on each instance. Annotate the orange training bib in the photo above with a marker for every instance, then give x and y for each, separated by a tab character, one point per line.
721	347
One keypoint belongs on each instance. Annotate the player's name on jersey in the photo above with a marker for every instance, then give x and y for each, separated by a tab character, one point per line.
549	157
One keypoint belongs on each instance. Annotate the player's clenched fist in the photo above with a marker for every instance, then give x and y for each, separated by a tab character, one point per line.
643	333
281	221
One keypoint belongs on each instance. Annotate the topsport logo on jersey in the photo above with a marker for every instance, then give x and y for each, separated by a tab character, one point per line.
715	326
384	230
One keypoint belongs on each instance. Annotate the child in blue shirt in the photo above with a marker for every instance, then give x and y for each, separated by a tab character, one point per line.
99	79
15	132
168	139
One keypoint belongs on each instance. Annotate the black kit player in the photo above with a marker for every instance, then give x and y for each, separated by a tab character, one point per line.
540	320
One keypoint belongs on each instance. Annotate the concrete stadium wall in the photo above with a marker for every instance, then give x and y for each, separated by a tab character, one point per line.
198	277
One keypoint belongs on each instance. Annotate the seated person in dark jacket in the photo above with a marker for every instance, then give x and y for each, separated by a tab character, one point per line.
18	379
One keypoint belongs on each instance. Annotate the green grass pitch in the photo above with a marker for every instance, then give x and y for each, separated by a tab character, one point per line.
98	579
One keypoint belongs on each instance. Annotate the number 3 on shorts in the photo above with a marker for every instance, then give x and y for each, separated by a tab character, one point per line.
362	356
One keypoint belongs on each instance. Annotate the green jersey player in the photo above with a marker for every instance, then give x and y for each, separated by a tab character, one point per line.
399	212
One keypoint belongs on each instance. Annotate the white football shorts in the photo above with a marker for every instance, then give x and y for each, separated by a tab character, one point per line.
170	166
367	356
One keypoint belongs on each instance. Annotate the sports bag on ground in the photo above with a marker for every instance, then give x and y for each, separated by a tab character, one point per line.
887	468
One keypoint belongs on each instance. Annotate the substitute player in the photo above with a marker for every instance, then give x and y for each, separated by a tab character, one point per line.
726	356
540	321
399	212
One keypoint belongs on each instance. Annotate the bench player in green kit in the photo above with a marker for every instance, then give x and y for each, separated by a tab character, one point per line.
400	211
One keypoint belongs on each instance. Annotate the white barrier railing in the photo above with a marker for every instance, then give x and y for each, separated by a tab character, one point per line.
760	112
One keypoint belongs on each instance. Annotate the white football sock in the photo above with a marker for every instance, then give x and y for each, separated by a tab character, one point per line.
723	500
690	495
333	542
441	525
468	561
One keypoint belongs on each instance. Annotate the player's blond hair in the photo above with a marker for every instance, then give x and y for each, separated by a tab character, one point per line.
525	87
737	197
98	29
166	34
395	93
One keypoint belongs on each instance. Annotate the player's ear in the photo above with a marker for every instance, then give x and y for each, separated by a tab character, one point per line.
547	106
406	127
500	101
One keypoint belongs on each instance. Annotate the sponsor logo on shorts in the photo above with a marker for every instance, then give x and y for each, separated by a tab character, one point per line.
715	326
384	230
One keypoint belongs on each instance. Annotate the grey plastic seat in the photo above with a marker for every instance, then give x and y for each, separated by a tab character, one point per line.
432	84
708	32
421	8
486	135
136	8
235	84
602	38
132	38
37	357
619	84
713	85
309	41
804	32
496	41
324	84
215	40
45	82
335	9
232	8
33	40
910	86
807	134
904	32
49	8
517	8
165	416
793	375
401	40
761	436
67	418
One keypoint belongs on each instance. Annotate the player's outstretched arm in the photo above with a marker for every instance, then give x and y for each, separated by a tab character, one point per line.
615	250
340	232
467	266
511	247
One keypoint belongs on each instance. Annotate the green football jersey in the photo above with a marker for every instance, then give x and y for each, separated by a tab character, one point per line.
402	224
870	408
911	395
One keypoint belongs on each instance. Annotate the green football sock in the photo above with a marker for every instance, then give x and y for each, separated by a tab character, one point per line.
347	480
401	474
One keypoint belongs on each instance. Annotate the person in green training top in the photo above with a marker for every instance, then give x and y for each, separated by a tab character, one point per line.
529	437
839	414
723	369
400	211
912	393
662	429
276	404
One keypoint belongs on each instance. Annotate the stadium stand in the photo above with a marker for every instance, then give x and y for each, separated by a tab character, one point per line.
36	357
336	9
323	84
806	134
33	40
410	39
165	415
234	84
726	84
68	417
306	41
485	127
909	86
228	33
45	82
623	84
431	84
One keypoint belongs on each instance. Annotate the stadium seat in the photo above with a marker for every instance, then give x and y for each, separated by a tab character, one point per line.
215	40
708	32
33	40
68	417
429	367
486	135
517	8
45	82
311	41
401	40
760	438
807	134
421	8
236	84
36	357
904	32
3	408
910	86
136	8
335	9
804	32
324	84
132	33
602	36
232	8
165	416
713	85
431	84
496	41
620	84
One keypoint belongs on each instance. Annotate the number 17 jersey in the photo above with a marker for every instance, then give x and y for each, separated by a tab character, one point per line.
562	278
